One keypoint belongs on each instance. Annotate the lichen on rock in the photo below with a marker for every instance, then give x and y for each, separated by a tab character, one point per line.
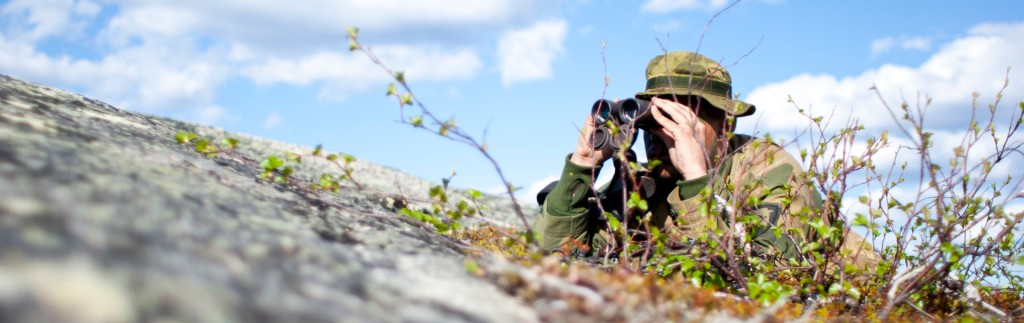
104	217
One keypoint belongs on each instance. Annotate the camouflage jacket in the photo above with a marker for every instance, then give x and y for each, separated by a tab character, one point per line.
769	180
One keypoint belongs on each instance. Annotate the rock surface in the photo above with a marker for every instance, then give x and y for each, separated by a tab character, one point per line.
104	217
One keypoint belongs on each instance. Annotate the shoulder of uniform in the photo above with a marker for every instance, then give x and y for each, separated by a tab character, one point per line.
756	146
761	154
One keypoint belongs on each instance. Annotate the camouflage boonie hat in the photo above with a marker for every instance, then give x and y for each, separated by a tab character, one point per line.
686	73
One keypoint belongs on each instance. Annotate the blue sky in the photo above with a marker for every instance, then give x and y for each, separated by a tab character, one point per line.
523	72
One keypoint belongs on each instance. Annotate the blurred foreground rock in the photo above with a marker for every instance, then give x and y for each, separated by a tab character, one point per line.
104	217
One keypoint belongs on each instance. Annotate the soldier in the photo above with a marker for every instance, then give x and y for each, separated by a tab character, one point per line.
702	163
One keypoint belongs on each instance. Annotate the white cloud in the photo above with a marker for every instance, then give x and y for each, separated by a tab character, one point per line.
213	114
527	54
345	72
975	62
151	26
273	121
312	25
665	6
143	79
173	56
917	43
882	45
34	20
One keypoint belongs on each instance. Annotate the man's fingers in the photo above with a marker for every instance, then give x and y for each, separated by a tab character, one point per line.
673	127
679	112
660	117
665	136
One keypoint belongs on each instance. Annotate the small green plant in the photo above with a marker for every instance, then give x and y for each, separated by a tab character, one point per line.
424	119
203	145
766	291
184	137
444	213
274	164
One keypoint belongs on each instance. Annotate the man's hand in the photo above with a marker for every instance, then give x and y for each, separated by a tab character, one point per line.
585	155
687	137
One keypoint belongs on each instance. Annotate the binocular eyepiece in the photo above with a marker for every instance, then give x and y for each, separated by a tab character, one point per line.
628	115
628	112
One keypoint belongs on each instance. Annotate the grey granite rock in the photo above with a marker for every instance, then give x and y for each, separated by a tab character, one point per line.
104	217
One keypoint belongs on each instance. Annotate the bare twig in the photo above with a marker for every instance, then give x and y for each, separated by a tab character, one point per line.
445	129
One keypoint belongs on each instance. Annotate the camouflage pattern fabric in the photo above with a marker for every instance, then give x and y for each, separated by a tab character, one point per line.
685	73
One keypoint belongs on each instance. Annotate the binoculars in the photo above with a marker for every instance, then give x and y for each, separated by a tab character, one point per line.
627	115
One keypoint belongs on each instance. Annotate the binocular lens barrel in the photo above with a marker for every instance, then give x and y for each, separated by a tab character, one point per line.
600	138
627	111
602	110
633	110
628	114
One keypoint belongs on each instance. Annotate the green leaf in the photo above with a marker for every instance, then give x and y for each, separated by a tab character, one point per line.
316	151
835	289
352	31
326	181
392	90
472	267
436	191
860	220
203	145
272	163
412	214
400	76
292	157
636	202
474	194
441	227
353	45
406	99
416	121
232	143
184	137
332	157
348	158
613	222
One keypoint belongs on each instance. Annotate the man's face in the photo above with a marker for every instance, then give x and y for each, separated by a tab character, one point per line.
656	150
715	123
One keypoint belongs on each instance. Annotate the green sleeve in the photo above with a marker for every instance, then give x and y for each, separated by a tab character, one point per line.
686	202
569	197
690	188
566	209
